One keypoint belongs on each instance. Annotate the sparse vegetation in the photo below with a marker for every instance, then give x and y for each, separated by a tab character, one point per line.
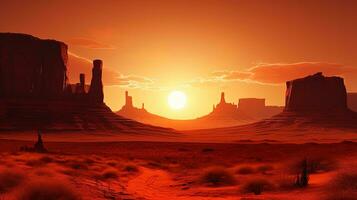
302	178
342	186
286	182
315	165
109	173
217	176
131	168
257	186
244	170
207	150
10	179
78	165
47	190
264	169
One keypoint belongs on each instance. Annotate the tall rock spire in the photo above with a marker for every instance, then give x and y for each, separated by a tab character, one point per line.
96	87
128	100
223	100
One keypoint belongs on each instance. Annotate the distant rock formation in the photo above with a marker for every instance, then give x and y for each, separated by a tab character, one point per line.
302	118
38	146
128	101
35	92
226	110
131	112
223	114
257	109
316	92
352	101
314	101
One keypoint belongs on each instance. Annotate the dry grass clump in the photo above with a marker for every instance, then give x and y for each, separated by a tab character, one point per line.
131	168
89	161
109	173
286	182
244	170
77	165
217	177
342	186
46	159
112	163
314	165
10	179
264	169
48	190
35	162
257	186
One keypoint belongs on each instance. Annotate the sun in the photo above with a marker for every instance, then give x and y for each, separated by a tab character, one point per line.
177	100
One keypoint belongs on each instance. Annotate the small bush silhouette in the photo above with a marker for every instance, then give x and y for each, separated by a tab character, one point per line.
10	179
302	178
257	186
131	168
342	186
264	168
47	190
217	177
315	165
246	170
109	173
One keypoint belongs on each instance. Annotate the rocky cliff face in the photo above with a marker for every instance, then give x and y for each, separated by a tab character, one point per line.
314	101
316	93
31	67
352	101
35	94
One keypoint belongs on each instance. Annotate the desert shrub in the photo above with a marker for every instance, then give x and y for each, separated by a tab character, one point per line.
156	164
10	179
78	165
315	165
46	159
131	168
44	172
35	162
264	168
244	170
89	161
109	173
342	186
47	190
302	178
286	182
341	195
217	177
112	163
206	150
257	186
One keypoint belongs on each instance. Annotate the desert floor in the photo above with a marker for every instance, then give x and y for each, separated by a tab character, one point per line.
177	170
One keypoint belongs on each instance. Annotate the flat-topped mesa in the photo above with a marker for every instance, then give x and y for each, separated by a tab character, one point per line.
31	67
36	69
316	93
95	93
251	103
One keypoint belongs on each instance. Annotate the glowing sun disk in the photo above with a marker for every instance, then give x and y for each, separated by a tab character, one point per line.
177	100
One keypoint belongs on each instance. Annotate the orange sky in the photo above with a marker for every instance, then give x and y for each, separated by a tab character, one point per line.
245	48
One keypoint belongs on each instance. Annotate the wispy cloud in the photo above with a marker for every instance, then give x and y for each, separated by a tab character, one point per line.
89	43
78	64
277	73
135	81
